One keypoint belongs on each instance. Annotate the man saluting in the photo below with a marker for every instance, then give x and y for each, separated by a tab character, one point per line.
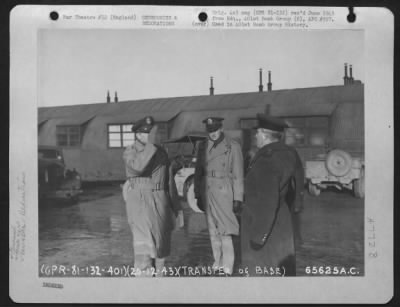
147	200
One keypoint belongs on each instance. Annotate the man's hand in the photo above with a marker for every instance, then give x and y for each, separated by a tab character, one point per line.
125	189
179	219
237	207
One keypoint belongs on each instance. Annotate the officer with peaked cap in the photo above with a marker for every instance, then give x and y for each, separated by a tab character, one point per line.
267	237
148	204
219	187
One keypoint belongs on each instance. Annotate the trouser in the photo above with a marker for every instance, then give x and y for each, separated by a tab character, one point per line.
223	252
296	219
145	266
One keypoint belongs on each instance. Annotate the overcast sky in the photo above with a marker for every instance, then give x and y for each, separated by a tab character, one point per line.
79	66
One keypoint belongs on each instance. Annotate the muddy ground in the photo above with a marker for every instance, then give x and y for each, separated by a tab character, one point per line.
92	237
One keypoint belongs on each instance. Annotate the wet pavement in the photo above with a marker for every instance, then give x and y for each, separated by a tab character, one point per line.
92	237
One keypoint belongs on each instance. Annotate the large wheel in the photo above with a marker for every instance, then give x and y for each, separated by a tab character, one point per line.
189	196
359	185
313	189
338	162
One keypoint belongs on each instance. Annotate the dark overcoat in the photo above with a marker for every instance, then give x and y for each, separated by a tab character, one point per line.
268	183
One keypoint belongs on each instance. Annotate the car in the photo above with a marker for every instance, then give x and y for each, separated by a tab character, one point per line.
338	169
183	166
54	179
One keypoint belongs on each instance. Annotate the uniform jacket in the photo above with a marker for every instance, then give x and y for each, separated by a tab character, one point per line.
219	181
136	162
268	184
147	197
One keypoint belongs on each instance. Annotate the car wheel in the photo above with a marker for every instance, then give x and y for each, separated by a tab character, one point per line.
359	185
313	189
338	162
189	196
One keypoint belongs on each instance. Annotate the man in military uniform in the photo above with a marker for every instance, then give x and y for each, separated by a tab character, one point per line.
148	204
267	238
219	188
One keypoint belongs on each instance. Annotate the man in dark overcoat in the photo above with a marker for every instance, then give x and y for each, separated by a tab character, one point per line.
267	239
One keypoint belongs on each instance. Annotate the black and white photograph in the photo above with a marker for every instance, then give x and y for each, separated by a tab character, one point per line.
202	153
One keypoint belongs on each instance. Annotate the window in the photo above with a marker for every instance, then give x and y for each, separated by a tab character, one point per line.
307	131
304	131
162	131
68	136
248	123
120	135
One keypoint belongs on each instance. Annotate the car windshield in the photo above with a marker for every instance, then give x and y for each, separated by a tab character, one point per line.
49	154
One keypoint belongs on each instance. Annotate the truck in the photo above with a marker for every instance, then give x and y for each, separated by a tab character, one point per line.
55	180
183	165
338	169
184	162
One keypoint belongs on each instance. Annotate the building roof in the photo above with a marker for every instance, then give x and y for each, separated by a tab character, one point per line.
291	102
127	117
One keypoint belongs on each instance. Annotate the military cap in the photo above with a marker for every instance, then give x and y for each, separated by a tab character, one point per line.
144	125
213	123
270	123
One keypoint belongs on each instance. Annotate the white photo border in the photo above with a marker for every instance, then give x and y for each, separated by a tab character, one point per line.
26	285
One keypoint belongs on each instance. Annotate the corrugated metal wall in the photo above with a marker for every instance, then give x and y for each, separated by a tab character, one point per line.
95	161
347	127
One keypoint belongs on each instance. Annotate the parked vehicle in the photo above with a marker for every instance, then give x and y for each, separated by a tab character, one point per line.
54	179
184	166
336	169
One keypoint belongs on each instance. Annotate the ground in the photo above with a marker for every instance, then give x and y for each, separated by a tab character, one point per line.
92	237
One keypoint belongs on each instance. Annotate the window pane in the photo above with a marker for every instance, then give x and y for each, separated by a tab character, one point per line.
114	128
114	136
127	142
319	121
290	140
73	140
49	153
162	131
294	136
74	130
62	140
62	130
318	137
68	135
127	128
128	135
114	143
248	123
295	121
127	138
74	134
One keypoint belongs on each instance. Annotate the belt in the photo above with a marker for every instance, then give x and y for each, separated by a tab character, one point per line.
144	183
217	174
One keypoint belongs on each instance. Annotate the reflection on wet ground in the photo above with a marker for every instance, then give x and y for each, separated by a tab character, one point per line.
95	232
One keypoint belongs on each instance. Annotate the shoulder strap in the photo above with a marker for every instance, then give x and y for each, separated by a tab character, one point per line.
159	158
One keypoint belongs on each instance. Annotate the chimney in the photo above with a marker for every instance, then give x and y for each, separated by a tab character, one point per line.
260	87
345	78
115	98
108	97
269	85
211	87
351	79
